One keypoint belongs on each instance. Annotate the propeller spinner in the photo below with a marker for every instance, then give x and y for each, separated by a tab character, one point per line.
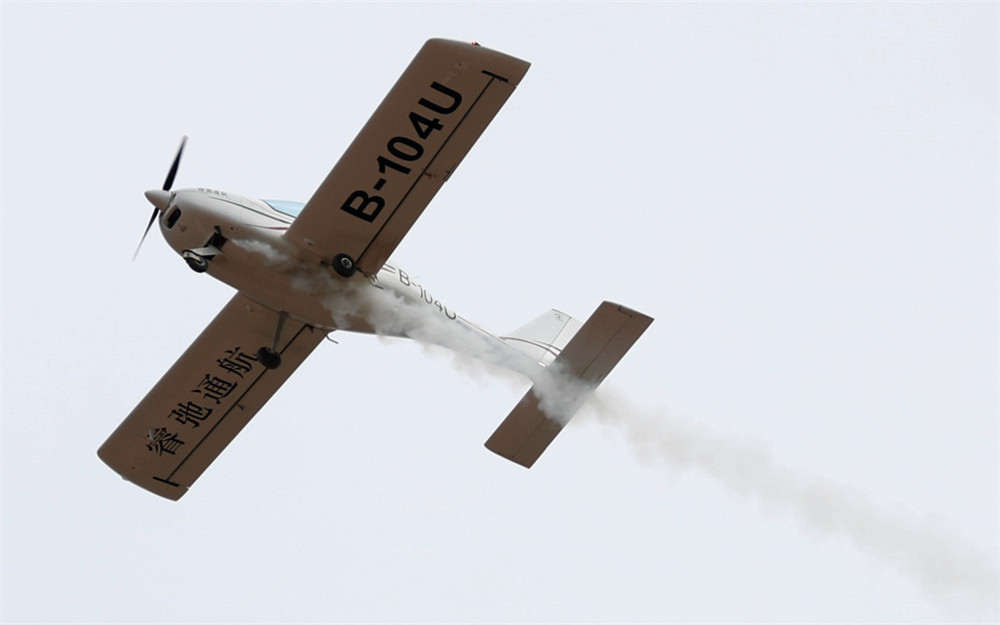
160	198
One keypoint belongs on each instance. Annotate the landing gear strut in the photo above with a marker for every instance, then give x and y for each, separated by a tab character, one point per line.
195	261
198	258
269	356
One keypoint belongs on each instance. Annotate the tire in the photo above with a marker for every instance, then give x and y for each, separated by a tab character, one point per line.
197	262
268	357
344	265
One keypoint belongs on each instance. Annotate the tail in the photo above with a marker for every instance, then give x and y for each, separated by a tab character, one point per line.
586	357
545	337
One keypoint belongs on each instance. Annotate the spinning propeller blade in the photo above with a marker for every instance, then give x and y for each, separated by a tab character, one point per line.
169	182
152	218
156	198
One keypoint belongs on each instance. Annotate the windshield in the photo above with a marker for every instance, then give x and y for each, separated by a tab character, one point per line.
292	209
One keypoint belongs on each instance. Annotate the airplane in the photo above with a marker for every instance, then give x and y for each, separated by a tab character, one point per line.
304	270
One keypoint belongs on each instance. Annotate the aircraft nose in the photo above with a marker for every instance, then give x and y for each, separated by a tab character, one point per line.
158	198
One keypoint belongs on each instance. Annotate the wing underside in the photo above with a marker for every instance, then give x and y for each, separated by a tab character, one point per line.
205	398
410	146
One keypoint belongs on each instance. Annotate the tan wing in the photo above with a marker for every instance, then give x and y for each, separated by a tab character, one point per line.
411	145
205	399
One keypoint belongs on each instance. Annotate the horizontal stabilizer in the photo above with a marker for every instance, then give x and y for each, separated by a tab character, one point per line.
589	356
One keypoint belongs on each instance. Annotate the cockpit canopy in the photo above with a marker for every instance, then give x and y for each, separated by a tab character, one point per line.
292	209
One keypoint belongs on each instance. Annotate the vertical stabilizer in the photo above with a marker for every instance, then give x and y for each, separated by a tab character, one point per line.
545	337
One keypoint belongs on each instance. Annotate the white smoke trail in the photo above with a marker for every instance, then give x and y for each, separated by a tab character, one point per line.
943	565
946	568
389	314
474	352
954	573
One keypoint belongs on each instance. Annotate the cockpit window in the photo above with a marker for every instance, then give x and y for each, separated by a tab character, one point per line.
292	209
172	218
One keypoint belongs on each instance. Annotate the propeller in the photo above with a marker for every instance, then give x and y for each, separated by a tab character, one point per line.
160	199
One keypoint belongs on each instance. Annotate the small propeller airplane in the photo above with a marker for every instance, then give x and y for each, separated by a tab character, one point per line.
302	271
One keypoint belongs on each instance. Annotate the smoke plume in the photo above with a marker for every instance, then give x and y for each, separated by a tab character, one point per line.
960	577
944	566
957	575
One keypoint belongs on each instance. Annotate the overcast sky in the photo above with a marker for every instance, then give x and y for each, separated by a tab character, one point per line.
804	196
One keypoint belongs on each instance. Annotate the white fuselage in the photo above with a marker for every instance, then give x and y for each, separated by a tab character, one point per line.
257	260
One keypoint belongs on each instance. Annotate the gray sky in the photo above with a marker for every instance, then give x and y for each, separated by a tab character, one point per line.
804	196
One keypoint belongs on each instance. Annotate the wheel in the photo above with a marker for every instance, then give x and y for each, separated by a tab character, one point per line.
197	262
344	265
268	357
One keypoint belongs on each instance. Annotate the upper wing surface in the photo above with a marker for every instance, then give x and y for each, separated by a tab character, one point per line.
205	399
411	145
